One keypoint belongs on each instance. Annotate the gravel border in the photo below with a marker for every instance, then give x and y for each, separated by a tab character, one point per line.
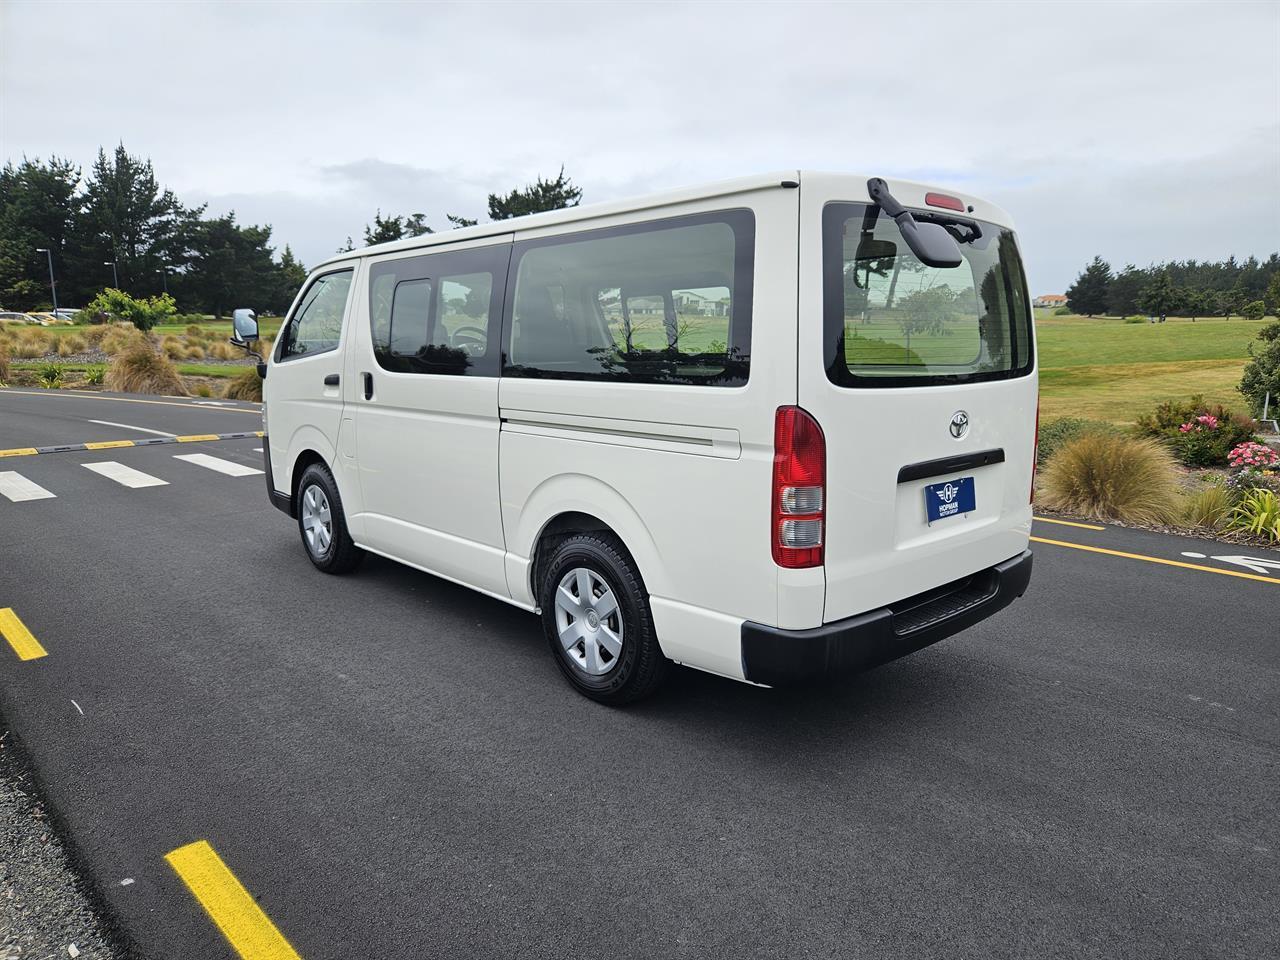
46	912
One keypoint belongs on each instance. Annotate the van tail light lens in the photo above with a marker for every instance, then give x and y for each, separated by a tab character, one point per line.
1035	452
799	489
944	201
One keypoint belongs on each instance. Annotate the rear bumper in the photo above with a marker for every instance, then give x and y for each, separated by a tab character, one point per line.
776	657
281	501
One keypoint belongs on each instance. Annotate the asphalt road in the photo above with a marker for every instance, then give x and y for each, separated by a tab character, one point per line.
392	766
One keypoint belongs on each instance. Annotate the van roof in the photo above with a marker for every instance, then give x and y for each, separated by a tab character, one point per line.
721	188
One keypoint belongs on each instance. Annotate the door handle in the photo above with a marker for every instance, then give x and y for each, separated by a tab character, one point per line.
368	385
331	380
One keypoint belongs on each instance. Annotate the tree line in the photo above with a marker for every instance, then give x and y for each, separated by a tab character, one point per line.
1180	288
116	226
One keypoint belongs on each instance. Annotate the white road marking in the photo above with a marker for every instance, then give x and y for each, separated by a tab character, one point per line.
77	706
1192	553
127	426
18	488
1262	565
257	449
218	464
125	476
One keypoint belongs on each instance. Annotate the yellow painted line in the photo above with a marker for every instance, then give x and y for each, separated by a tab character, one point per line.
19	452
15	631
228	904
1070	523
81	395
1168	563
193	438
108	444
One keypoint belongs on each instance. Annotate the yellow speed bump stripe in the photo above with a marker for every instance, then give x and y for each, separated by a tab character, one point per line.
228	904
19	452
1069	523
15	631
108	444
197	438
1162	560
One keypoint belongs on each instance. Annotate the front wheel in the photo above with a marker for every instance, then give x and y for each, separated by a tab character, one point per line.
595	613
323	524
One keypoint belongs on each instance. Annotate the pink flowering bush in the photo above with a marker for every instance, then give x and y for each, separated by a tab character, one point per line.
1199	433
1253	455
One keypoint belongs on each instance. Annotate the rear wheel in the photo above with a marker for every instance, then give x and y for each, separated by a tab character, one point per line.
322	523
595	613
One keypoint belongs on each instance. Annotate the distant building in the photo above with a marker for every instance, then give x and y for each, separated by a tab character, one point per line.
1050	300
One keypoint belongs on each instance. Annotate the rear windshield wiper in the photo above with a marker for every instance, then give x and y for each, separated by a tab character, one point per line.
932	243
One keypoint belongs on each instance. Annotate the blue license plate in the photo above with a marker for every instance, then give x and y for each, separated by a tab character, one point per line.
942	500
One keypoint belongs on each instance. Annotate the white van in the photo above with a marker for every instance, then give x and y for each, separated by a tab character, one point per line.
773	428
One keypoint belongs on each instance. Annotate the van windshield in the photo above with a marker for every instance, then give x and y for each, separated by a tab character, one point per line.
892	321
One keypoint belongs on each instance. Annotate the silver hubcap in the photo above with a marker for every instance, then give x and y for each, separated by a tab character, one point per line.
589	621
317	524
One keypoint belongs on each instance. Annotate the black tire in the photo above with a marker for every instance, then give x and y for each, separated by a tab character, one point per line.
640	667
340	554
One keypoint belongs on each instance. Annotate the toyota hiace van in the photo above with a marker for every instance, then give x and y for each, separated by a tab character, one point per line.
773	428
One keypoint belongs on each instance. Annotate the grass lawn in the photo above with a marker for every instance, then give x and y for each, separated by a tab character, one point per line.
1105	369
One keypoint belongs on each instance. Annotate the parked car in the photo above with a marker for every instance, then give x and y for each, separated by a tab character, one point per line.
13	317
773	428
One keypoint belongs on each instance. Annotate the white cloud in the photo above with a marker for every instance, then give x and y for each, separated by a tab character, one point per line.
1140	130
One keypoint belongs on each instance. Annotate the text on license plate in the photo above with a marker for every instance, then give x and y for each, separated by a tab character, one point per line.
942	500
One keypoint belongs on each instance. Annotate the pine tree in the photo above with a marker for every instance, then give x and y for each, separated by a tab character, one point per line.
541	196
1088	295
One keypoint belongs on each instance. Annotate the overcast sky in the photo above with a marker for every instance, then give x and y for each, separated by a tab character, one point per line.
1141	131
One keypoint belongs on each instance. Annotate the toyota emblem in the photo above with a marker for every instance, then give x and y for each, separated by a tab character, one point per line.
959	424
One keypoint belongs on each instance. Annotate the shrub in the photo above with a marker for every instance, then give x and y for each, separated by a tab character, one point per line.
244	386
1262	372
1135	319
1209	507
1200	434
1054	433
173	348
4	364
94	336
27	349
1061	312
1112	477
95	375
1254	310
203	390
195	353
50	376
194	330
142	313
1259	513
139	368
119	337
222	351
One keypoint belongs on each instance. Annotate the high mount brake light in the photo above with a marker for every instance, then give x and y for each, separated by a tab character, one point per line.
944	201
797	524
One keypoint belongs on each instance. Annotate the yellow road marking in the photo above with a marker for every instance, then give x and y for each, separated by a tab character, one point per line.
15	631
197	436
1168	563
81	395
1070	523
108	444
228	904
19	452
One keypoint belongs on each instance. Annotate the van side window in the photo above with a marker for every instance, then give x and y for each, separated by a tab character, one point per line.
316	325
437	313
668	301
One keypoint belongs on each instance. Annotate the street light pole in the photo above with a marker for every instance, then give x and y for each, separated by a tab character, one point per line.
53	287
114	275
164	273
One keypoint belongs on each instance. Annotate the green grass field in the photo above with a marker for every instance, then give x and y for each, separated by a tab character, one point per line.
1106	369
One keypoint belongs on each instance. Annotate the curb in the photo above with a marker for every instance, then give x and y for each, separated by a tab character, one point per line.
113	444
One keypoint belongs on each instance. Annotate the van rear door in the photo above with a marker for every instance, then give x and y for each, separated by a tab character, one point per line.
923	382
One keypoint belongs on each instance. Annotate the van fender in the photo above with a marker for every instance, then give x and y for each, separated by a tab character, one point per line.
308	437
579	493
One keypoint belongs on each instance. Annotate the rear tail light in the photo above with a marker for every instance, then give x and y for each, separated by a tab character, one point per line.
944	201
799	489
1035	452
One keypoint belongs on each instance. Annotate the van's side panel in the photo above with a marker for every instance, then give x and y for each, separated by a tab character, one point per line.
680	472
879	548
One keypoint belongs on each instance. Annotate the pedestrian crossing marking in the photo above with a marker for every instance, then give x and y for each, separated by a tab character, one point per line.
125	476
18	489
218	464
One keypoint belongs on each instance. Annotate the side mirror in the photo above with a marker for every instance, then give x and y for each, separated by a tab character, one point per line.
244	326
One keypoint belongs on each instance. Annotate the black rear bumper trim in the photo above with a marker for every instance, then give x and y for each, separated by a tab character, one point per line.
777	657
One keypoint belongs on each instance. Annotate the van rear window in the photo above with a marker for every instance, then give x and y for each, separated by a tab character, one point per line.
889	320
667	301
